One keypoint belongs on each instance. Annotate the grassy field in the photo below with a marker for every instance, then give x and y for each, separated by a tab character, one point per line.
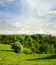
8	57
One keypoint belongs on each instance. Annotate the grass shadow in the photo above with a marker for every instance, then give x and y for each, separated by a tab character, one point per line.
43	58
7	50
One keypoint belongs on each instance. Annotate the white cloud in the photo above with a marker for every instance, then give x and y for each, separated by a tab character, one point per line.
38	5
34	20
30	28
3	2
53	12
7	0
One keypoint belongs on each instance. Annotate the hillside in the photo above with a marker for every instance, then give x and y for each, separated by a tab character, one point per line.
8	57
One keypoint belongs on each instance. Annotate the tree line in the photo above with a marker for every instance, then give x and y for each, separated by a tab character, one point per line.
38	43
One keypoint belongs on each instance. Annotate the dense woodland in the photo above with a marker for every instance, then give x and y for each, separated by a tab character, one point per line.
38	43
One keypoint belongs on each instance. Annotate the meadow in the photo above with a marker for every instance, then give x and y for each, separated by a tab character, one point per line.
8	57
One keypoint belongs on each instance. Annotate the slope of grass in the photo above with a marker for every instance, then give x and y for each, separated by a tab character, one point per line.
8	57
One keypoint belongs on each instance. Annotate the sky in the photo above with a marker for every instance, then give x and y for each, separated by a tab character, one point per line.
28	17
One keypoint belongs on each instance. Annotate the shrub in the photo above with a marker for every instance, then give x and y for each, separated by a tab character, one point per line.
35	47
27	51
47	48
17	47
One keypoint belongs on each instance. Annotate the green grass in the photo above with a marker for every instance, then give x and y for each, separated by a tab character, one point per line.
8	57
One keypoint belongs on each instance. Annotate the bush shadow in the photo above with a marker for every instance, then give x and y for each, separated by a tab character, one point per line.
43	58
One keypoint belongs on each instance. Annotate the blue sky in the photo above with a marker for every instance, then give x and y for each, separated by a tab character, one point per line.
28	16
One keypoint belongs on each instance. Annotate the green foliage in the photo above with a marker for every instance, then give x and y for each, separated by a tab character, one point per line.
39	43
51	49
